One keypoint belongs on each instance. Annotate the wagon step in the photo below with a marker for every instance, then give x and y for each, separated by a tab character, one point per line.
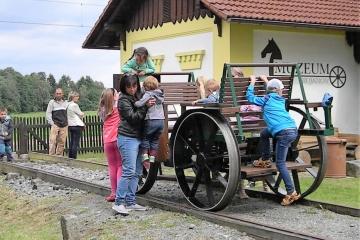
316	132
251	172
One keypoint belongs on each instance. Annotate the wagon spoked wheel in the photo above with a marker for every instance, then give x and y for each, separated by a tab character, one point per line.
309	150
206	159
337	76
148	177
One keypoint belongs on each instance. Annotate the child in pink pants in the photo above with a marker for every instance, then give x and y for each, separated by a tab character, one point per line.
108	113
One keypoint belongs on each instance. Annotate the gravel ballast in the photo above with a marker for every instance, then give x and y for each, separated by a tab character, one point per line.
296	217
91	217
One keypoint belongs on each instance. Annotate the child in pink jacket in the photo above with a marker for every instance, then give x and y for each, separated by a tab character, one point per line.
109	115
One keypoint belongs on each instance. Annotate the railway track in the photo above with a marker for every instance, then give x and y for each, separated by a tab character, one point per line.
344	210
257	230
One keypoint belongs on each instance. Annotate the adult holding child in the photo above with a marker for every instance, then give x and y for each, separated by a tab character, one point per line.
57	118
129	140
75	123
109	115
139	64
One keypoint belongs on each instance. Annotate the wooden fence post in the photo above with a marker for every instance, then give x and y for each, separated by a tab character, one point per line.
24	137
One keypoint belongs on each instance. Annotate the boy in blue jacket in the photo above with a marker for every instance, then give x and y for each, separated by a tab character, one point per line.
280	126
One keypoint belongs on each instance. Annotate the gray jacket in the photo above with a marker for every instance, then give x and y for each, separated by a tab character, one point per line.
156	111
6	128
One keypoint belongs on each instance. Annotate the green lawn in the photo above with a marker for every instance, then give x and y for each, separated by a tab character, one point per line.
92	157
27	219
342	191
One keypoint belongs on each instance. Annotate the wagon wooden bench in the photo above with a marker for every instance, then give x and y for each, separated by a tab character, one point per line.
211	147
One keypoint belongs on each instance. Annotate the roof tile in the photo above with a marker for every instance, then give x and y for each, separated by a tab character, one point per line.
327	12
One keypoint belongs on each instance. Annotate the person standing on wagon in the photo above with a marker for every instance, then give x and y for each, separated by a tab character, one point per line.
139	64
280	126
57	118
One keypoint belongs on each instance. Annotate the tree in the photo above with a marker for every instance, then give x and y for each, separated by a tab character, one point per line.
52	82
31	93
90	92
66	84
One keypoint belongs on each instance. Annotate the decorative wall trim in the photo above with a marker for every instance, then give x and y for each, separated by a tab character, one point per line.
190	60
158	61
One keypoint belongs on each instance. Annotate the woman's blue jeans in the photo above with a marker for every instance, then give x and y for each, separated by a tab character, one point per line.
132	170
283	141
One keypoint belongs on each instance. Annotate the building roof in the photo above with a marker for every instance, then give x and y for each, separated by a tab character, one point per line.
325	13
120	16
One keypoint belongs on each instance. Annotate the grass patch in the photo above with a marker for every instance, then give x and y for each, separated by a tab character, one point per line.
93	157
27	220
343	191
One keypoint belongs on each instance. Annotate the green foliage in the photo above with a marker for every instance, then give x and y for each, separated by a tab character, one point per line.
31	93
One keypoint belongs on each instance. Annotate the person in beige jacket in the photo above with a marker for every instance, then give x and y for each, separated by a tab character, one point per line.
76	125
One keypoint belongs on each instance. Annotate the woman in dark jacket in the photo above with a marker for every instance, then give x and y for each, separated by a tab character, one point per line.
129	139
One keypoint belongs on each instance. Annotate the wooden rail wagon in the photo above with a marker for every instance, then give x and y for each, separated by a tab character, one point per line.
212	147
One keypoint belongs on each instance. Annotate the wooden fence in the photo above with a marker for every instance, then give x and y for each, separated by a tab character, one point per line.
32	134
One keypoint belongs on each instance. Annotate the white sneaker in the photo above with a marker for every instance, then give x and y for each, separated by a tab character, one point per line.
121	209
136	207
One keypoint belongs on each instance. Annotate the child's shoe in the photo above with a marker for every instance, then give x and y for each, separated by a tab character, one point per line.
262	163
110	198
289	199
152	159
145	157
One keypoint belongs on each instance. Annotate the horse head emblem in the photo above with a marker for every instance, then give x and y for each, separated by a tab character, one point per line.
275	53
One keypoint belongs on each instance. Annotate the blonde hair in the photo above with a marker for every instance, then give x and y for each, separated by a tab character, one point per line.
151	83
106	102
73	94
201	80
237	72
212	85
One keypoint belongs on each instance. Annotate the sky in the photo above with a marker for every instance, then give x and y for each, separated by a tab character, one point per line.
54	49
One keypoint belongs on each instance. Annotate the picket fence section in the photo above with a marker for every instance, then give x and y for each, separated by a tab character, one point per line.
32	134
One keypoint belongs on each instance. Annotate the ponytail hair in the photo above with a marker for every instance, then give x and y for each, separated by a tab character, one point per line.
140	51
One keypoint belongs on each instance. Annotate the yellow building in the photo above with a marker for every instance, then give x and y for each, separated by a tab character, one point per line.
201	35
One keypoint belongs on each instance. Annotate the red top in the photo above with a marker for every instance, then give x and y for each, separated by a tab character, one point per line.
111	124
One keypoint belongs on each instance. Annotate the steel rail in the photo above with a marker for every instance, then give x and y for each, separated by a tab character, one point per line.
260	231
340	209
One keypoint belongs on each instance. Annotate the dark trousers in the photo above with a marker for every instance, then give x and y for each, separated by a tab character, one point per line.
74	140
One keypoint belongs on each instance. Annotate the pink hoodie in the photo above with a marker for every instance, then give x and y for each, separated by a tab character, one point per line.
111	124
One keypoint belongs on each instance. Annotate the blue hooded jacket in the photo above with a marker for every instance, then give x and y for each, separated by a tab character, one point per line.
275	115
